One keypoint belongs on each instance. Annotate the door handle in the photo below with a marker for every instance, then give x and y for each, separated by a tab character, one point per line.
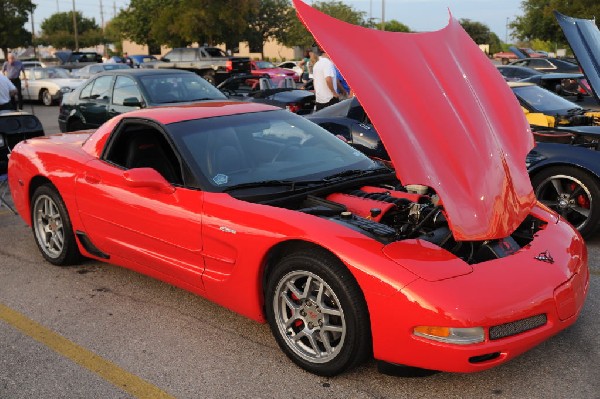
92	178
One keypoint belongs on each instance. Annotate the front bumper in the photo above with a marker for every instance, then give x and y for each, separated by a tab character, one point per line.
506	296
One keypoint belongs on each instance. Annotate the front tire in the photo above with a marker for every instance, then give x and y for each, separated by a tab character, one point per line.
52	227
571	192
46	97
317	313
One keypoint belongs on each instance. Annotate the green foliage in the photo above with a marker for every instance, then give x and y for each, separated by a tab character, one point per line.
13	17
396	26
297	35
538	21
495	43
544	45
58	30
268	20
136	21
479	32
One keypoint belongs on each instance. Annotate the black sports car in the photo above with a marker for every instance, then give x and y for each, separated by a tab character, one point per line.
16	126
564	166
246	87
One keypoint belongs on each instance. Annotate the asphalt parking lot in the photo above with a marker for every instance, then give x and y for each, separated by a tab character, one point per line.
100	331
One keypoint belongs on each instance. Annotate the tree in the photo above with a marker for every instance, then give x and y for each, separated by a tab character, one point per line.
479	32
13	16
538	21
297	35
396	26
58	30
136	21
268	22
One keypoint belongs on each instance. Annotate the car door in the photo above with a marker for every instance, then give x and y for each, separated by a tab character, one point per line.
158	230
94	100
125	93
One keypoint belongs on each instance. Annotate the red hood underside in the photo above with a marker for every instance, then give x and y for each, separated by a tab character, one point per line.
445	115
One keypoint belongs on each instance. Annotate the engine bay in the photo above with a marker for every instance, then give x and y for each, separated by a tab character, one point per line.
389	214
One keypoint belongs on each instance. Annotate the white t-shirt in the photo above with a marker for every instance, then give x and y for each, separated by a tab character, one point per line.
323	68
6	87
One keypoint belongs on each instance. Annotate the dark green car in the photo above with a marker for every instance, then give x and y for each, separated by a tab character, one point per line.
115	92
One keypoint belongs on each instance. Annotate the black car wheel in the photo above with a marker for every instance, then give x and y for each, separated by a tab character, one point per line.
46	97
573	194
52	227
317	313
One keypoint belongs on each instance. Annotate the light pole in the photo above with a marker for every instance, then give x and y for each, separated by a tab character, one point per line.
506	37
75	28
382	14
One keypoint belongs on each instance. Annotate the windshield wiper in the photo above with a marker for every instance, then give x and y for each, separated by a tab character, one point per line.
354	173
272	183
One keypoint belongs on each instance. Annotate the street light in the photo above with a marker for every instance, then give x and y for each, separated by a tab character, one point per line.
506	37
75	28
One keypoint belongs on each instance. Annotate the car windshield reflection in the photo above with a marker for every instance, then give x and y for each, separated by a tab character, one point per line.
264	146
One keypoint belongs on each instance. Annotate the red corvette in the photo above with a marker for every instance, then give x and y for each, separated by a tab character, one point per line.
264	212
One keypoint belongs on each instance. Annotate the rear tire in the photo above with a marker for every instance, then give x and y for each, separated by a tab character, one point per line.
317	313
52	228
75	125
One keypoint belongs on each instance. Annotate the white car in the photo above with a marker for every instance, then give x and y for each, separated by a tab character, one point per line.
293	65
48	85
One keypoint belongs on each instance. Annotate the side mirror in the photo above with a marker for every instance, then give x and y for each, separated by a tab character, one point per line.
132	102
165	59
147	178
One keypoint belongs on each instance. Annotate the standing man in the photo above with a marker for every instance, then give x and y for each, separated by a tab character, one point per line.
13	69
7	90
325	81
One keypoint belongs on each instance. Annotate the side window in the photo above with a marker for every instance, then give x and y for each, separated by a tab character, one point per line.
125	88
142	146
188	54
173	55
101	87
86	91
539	63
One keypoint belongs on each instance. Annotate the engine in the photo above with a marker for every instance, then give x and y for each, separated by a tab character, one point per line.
387	214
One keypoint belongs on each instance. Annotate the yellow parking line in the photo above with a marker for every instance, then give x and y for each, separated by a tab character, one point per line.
595	272
112	373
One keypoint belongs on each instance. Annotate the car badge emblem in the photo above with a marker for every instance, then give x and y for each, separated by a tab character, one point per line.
545	257
220	179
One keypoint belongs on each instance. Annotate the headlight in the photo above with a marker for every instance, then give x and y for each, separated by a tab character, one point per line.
451	335
65	90
1	140
532	158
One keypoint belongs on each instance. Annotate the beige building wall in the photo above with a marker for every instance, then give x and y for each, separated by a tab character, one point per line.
272	49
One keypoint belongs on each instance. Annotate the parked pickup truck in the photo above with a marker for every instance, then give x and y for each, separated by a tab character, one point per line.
77	59
212	63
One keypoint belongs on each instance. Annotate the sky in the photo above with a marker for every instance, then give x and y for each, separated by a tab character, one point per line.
419	15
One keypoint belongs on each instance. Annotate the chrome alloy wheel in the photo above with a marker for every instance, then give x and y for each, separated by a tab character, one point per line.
309	316
48	226
568	196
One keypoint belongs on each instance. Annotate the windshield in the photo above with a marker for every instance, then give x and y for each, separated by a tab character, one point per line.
263	147
542	100
110	67
264	65
50	73
179	88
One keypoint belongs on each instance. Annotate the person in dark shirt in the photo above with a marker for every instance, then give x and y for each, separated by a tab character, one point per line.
13	69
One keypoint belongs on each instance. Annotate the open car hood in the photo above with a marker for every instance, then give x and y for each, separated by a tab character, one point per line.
584	37
445	115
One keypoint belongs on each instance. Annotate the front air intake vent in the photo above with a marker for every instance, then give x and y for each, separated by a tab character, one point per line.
517	327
